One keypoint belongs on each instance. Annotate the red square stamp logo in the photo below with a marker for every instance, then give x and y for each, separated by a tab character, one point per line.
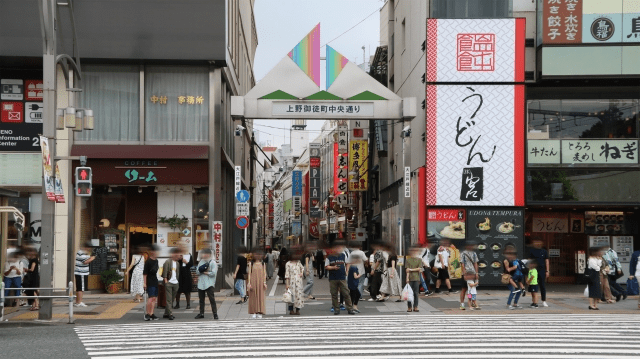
476	52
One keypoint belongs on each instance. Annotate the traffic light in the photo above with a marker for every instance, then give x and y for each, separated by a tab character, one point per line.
83	181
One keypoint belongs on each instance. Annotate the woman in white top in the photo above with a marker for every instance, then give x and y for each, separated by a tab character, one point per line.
594	264
137	287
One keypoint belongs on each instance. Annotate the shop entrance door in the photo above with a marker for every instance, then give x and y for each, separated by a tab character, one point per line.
139	239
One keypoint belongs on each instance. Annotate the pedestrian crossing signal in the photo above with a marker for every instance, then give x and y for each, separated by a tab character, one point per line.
83	181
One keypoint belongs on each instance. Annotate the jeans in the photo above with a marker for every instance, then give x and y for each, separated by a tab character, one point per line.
361	285
512	294
240	287
12	282
171	290
616	289
424	283
336	286
212	300
308	289
415	286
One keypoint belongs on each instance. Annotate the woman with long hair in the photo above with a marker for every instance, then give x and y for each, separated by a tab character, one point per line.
269	258
294	271
137	285
390	279
594	264
257	285
185	282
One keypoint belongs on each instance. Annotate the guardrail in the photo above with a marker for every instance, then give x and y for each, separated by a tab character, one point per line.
70	297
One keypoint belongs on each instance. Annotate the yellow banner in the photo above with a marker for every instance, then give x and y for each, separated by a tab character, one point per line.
358	165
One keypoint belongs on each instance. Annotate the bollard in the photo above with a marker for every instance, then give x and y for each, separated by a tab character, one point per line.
70	293
2	301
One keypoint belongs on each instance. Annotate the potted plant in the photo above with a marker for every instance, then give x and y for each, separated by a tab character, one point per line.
174	222
112	281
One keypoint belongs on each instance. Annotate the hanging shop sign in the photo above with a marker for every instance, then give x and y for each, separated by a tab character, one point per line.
296	183
475	50
322	109
47	166
543	151
475	145
149	172
217	241
343	139
315	183
550	223
494	229
340	170
602	223
358	165
59	191
583	152
238	179
296	228
313	229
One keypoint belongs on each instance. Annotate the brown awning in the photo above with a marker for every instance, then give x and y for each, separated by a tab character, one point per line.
141	151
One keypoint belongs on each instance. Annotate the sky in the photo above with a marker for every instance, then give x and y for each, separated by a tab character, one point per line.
281	24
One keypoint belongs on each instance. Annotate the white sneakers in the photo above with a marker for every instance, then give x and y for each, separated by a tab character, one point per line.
256	316
81	304
544	304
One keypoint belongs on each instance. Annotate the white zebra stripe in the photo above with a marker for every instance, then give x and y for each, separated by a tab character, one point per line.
386	336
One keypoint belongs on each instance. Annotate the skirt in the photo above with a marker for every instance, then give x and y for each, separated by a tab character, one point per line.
390	286
595	287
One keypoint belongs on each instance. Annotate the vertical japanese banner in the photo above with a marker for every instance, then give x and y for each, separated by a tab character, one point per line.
217	242
358	165
58	186
47	166
340	174
314	180
562	22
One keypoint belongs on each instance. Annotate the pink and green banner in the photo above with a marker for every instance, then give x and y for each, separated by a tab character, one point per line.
335	63
307	54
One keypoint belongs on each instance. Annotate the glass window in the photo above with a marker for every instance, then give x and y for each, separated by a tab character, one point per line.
112	92
471	9
583	186
582	119
177	103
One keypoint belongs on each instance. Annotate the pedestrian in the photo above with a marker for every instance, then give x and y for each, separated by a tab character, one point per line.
594	264
185	282
532	281
607	297
413	265
357	251
308	271
510	254
390	279
353	280
426	272
338	278
442	265
634	270
150	281
515	268
207	270
294	273
170	274
469	259
472	285
320	263
541	256
282	264
615	272
32	278
240	274
135	273
13	269
270	261
377	270
257	286
81	271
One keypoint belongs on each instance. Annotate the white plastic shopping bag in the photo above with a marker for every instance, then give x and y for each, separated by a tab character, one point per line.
407	293
586	292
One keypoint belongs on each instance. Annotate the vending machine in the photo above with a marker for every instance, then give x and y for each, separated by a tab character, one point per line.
623	245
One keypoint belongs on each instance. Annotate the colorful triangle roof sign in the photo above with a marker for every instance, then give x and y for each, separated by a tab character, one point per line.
335	63
307	54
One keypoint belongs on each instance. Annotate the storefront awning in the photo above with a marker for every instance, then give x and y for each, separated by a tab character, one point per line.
143	152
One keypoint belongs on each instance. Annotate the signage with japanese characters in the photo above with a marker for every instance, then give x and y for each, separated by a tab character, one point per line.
238	179
242	209
562	21
475	50
407	182
322	109
600	151
296	183
142	175
315	188
358	165
559	224
343	139
217	242
47	169
475	145
543	151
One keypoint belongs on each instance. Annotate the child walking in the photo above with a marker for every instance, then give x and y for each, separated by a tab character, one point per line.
353	280
532	281
472	291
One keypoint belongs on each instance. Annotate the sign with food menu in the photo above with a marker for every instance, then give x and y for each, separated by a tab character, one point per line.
604	223
446	228
494	230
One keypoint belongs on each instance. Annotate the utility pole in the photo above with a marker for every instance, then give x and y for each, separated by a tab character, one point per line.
48	21
405	227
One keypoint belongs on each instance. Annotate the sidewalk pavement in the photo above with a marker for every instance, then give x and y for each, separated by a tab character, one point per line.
101	308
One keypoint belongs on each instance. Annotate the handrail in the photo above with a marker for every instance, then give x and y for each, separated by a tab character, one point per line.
69	296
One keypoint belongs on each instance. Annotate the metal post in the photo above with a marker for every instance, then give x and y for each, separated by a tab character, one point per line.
406	202
48	13
2	300
70	293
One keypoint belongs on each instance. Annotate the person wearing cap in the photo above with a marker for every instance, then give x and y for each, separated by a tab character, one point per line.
469	259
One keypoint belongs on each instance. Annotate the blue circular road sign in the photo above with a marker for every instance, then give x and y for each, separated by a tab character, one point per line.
242	222
242	196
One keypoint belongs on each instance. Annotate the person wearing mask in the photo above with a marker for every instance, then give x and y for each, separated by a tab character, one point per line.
257	286
81	272
414	272
13	269
170	274
541	256
185	282
207	270
594	266
150	282
338	278
294	272
615	272
240	274
469	259
634	269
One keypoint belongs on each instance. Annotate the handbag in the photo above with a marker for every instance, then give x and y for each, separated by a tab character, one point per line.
203	268
287	297
632	286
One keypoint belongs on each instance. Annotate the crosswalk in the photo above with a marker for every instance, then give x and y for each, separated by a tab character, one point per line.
388	336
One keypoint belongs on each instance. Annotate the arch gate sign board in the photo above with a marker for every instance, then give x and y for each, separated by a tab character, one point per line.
292	90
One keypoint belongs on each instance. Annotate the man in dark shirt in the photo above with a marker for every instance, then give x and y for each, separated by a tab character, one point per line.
150	282
338	278
320	263
241	274
541	256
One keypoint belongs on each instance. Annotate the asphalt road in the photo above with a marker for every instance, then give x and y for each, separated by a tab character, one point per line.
42	341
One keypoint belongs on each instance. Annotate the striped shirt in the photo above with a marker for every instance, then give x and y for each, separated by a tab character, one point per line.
81	268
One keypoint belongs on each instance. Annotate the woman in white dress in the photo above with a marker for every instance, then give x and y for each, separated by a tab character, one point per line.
390	279
137	285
